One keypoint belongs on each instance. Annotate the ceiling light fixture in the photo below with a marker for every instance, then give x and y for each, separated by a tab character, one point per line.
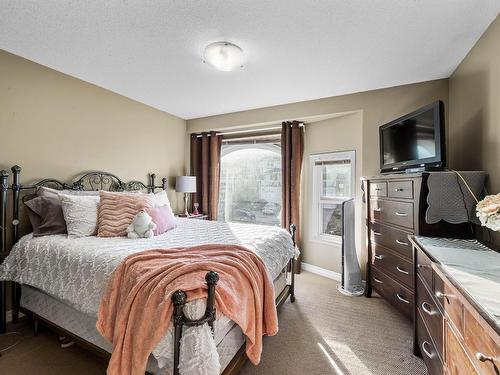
224	56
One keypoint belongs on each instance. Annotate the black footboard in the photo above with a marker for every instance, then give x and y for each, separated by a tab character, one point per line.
179	301
180	320
96	180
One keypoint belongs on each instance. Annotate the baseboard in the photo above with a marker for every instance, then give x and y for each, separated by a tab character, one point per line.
8	315
321	271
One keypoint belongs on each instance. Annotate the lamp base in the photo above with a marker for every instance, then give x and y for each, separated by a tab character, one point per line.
186	198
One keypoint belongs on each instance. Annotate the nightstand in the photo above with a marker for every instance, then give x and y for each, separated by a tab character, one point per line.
197	217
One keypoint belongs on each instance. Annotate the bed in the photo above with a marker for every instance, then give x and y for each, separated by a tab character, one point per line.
60	280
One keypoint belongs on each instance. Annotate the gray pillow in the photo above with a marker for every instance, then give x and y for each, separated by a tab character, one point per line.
46	216
35	219
43	191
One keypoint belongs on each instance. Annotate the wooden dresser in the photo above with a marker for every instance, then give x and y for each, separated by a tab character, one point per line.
454	332
395	209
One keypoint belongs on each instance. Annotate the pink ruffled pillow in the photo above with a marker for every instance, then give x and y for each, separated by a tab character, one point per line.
163	217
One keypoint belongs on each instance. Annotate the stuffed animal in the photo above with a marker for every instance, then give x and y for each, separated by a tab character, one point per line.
142	226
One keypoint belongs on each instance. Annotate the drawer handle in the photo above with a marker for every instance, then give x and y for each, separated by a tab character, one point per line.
427	308
427	352
402	214
402	299
442	295
379	257
377	209
377	233
445	296
378	189
397	190
377	280
402	243
484	358
402	270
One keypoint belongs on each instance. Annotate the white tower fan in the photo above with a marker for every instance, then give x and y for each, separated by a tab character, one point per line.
352	282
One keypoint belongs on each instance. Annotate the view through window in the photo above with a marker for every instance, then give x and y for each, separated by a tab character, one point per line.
332	181
250	183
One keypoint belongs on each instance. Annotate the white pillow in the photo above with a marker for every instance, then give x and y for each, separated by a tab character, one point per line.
80	214
160	199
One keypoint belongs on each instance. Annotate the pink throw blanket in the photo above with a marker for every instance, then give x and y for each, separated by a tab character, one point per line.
137	309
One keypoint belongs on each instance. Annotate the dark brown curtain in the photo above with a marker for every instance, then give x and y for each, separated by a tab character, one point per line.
205	165
292	151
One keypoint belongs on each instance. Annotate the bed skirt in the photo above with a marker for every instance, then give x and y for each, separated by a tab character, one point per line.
228	336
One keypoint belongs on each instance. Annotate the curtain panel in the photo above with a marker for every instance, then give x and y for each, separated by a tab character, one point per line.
205	165
292	152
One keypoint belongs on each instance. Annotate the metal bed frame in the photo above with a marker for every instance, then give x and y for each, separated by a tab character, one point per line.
92	181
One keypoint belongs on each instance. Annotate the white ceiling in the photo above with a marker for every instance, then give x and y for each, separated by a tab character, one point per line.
150	50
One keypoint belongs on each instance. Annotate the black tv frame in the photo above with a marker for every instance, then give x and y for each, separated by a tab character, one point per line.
435	163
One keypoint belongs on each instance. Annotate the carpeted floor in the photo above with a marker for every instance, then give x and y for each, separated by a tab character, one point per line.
324	332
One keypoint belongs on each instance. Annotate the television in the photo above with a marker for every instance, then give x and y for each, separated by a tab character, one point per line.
415	141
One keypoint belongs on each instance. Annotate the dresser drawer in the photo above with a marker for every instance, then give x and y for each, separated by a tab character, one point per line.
392	238
392	212
457	361
431	315
424	267
427	348
400	189
448	299
378	189
399	296
481	344
401	269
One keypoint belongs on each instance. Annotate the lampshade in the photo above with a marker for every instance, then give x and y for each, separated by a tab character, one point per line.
185	184
224	56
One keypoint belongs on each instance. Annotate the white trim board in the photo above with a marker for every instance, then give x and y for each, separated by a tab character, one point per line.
8	315
321	271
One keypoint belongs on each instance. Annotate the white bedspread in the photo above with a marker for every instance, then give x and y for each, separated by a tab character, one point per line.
77	270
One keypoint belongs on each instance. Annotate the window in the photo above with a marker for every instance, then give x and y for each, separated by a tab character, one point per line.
250	182
333	177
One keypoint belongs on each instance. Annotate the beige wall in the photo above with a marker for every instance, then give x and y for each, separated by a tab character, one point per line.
377	107
55	125
474	132
322	137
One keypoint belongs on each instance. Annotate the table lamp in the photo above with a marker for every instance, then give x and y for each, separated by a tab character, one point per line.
186	185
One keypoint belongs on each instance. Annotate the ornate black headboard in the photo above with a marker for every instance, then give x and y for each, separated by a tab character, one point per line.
86	181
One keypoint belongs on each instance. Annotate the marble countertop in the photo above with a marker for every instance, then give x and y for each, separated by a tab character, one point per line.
475	267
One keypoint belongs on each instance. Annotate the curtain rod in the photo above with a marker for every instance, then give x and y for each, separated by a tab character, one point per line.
275	127
267	137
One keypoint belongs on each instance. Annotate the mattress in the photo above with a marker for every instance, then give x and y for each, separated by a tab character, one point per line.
76	271
228	336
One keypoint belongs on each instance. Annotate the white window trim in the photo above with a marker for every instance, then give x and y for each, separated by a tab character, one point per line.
316	232
227	149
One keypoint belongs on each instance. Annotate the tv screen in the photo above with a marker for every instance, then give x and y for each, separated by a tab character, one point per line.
414	140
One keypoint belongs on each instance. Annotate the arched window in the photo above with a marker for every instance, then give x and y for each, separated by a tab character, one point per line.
250	184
